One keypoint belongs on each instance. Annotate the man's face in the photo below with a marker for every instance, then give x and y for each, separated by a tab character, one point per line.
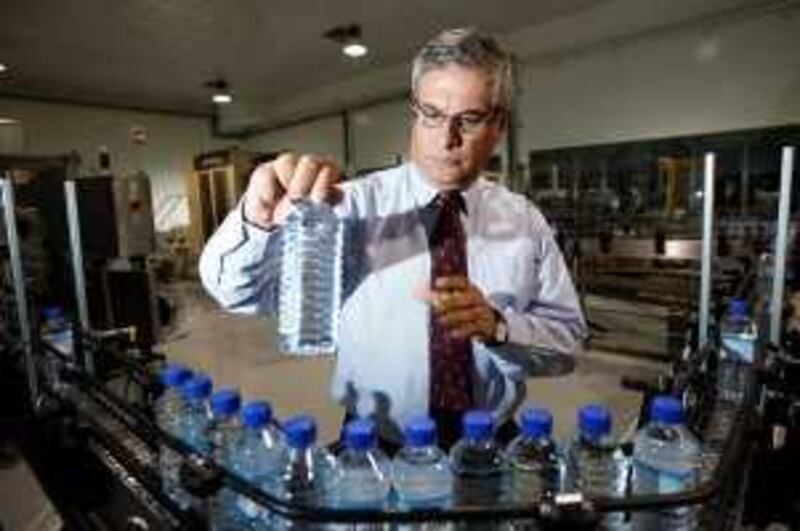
456	126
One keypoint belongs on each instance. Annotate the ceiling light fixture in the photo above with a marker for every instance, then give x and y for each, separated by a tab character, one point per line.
349	37
222	94
355	50
3	68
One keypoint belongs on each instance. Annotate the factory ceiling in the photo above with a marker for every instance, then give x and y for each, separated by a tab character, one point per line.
160	54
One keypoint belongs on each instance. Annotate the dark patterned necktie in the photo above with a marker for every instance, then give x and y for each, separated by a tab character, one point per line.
450	358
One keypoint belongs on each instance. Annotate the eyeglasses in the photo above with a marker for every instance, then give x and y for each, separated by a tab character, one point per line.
467	122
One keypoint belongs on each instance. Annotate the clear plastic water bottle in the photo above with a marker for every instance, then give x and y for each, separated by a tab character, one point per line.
168	415
537	467
478	462
738	335
196	415
225	432
596	464
307	473
259	459
224	429
310	283
666	460
362	479
421	471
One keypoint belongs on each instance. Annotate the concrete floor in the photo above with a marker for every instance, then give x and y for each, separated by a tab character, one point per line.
240	351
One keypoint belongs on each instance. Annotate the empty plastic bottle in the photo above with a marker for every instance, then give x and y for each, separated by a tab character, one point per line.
738	335
363	471
666	459
421	471
310	282
168	415
478	462
259	459
196	415
224	431
537	467
597	465
307	471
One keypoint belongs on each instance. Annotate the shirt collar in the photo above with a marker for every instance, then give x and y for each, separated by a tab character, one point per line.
424	192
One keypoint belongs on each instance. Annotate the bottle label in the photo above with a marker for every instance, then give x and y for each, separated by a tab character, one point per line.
652	480
739	348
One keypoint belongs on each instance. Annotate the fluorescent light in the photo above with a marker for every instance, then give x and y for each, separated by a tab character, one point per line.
3	68
355	49
8	121
222	97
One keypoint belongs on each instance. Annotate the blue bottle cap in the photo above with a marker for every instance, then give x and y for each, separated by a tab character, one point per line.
175	374
666	409
300	431
536	423
225	402
737	307
197	387
360	434
52	312
420	431
594	421
257	414
477	424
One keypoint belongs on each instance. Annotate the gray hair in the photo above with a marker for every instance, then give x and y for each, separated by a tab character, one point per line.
469	48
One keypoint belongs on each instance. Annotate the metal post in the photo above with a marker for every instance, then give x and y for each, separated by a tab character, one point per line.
707	249
12	237
781	244
78	273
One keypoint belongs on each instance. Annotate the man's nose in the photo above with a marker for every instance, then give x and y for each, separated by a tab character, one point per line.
452	131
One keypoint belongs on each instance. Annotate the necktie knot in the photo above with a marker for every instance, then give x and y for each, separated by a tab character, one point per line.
451	199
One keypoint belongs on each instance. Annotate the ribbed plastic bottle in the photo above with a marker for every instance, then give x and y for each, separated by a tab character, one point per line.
259	459
421	472
478	462
596	464
168	415
738	336
666	460
537	466
311	280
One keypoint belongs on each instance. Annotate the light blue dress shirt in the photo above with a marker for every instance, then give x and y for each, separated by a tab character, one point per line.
382	362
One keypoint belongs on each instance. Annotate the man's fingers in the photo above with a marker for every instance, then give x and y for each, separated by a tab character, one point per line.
458	317
444	301
264	191
284	167
324	188
305	173
452	282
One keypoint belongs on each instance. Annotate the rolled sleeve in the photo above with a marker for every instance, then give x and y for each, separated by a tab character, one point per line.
240	265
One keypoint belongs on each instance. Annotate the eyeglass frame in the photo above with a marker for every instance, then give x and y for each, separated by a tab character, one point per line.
441	119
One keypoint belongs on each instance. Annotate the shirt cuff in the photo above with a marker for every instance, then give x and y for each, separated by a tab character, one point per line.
251	231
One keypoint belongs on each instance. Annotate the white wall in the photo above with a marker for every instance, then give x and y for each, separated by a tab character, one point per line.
322	136
625	70
172	141
732	74
379	134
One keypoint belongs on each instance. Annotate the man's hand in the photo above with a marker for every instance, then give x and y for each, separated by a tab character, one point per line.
462	308
274	185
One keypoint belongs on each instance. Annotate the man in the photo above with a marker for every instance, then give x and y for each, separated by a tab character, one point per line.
454	280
